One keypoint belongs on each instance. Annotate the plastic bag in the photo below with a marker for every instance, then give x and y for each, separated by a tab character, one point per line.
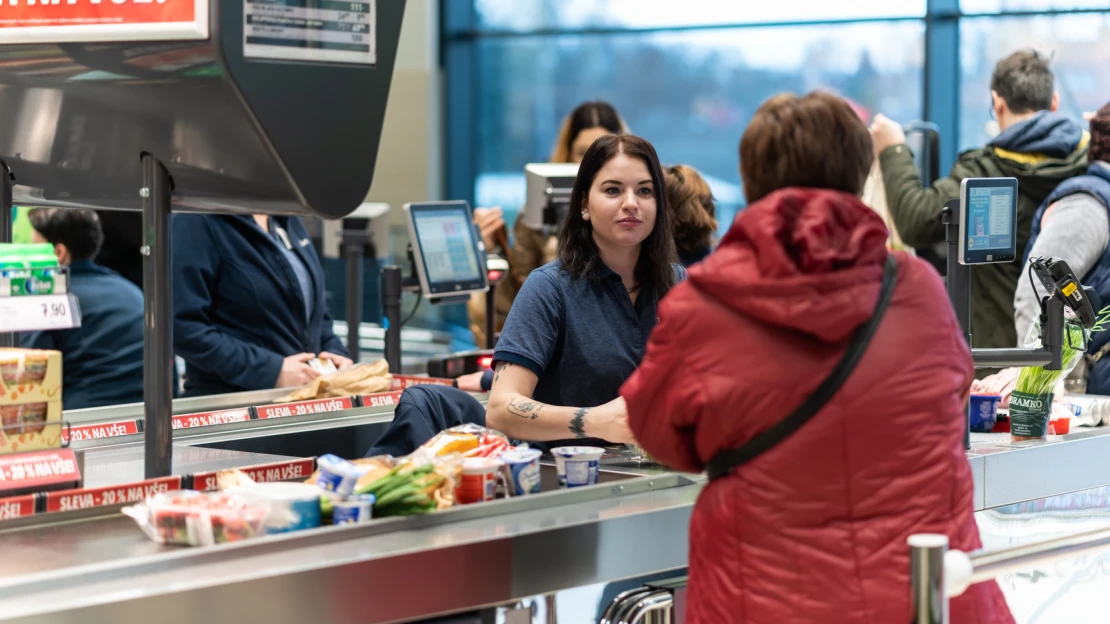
191	518
468	440
362	378
1031	401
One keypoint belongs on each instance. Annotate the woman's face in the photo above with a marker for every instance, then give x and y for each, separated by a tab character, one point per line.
621	203
583	141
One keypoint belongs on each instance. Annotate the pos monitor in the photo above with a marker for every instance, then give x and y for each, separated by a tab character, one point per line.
548	193
449	260
988	220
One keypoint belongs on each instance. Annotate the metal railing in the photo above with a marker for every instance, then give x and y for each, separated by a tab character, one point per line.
937	574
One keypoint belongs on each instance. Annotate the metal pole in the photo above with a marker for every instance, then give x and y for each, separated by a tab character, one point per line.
987	565
927	597
7	339
958	283
353	255
157	320
491	318
391	311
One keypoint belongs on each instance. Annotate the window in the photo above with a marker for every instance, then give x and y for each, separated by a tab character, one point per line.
1079	45
527	15
1001	6
689	92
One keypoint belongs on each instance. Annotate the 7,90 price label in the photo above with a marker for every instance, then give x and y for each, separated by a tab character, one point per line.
40	312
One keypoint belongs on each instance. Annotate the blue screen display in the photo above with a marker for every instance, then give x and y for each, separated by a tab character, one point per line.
990	218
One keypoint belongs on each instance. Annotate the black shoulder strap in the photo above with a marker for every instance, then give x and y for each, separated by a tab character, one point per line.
724	462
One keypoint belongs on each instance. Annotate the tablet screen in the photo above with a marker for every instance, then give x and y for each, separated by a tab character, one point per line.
990	208
447	243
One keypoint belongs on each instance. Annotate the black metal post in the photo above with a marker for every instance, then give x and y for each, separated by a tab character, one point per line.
353	254
157	320
491	318
392	282
7	339
959	275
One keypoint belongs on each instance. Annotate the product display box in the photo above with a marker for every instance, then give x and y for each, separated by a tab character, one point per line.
31	282
30	400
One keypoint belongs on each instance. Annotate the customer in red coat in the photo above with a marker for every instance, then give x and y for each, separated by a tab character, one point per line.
813	530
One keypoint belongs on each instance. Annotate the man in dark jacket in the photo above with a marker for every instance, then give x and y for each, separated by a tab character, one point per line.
102	360
1036	145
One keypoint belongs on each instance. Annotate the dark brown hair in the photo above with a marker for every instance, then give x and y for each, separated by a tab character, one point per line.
76	228
691	202
577	249
814	141
1100	136
587	115
1024	81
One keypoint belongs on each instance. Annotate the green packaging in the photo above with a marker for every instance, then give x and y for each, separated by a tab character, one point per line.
28	256
1029	414
29	282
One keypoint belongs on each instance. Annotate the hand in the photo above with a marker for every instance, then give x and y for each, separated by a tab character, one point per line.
295	371
489	220
610	422
886	133
339	361
1001	383
471	382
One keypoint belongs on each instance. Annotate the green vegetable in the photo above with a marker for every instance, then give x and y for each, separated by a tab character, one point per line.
1038	381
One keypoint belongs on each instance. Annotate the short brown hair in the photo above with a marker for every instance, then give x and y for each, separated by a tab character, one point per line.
1024	81
815	141
691	202
1100	136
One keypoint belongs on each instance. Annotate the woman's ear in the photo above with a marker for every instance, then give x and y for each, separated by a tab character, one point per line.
585	211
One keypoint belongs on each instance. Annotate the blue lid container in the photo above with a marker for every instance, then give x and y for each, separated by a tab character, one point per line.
983	410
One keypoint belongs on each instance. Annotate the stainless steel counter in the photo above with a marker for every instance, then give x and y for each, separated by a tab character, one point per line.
389	570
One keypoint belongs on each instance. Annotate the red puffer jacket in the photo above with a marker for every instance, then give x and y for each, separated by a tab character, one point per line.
815	529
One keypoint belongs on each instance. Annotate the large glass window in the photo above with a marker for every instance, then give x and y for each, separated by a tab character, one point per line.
1079	46
1000	6
526	15
689	92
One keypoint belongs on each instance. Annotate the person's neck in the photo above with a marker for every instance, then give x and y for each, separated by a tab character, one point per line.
1013	119
263	221
621	261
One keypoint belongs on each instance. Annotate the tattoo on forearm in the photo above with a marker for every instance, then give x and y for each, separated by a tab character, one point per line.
578	423
525	408
497	368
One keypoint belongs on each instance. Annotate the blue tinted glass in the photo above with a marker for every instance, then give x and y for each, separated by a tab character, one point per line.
570	14
997	6
1079	45
690	93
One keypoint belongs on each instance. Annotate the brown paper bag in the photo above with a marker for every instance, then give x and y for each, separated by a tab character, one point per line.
362	378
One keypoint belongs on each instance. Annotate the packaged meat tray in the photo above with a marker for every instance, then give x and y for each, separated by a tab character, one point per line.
191	518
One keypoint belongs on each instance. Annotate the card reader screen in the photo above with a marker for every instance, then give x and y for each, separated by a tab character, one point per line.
447	244
989	217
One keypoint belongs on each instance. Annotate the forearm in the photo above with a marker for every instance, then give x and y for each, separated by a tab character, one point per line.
916	211
523	418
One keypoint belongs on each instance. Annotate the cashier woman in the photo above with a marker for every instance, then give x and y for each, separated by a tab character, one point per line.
578	328
249	307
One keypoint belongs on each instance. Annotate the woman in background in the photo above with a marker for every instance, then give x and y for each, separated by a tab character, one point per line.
691	202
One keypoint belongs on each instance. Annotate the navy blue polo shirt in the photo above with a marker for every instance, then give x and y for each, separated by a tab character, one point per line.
583	338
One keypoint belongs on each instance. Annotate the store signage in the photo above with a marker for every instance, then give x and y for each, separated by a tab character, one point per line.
81	433
17	507
87	498
400	382
331	31
304	408
203	419
39	312
293	470
381	398
38	469
64	21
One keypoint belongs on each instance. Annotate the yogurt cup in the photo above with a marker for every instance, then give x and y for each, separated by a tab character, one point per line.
293	506
338	475
522	471
478	482
358	508
579	465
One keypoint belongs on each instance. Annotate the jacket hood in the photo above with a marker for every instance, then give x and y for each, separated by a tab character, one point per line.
1045	133
806	260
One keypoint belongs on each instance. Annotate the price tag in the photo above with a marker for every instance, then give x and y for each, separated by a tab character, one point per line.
35	470
40	312
81	433
303	408
17	507
400	382
380	398
203	419
293	470
71	500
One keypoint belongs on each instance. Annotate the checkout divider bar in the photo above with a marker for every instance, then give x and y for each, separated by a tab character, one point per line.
937	574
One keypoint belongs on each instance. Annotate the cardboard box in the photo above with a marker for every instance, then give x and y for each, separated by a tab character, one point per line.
30	400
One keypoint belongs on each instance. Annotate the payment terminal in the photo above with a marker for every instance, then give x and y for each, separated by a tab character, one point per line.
446	250
988	220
